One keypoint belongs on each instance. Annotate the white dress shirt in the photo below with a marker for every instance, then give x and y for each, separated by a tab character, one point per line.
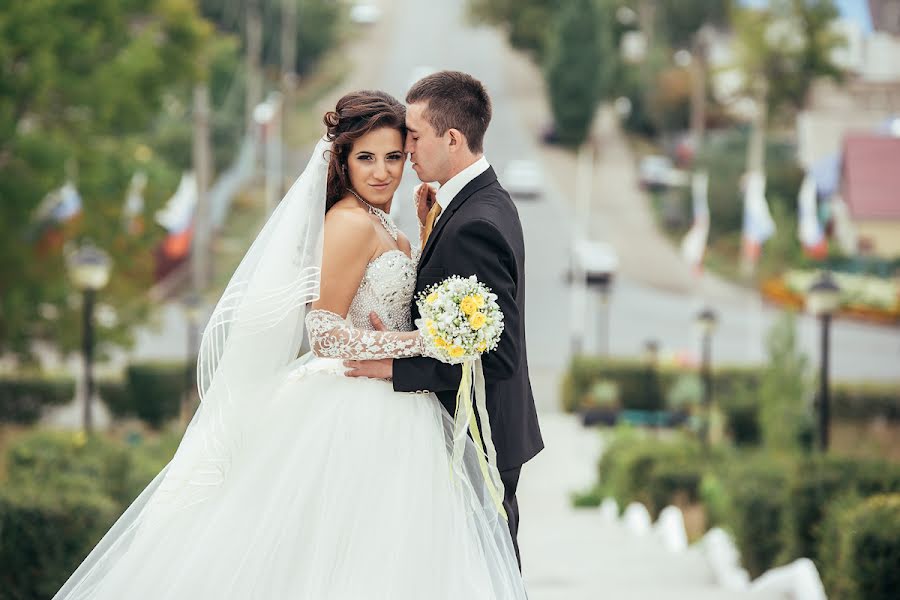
447	192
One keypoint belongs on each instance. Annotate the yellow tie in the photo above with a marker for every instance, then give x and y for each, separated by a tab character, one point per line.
429	222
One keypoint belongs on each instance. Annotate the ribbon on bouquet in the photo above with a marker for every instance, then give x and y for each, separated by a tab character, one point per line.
465	422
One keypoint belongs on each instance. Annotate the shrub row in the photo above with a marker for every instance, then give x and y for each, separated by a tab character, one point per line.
777	508
63	492
632	384
151	392
23	398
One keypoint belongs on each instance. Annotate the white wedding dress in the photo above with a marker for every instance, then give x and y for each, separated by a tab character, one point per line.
339	488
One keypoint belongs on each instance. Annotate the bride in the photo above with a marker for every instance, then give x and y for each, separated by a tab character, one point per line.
293	481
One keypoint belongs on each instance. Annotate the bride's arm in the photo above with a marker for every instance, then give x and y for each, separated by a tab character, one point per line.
350	243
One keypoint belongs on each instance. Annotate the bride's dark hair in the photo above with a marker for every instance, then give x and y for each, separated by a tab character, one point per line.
355	115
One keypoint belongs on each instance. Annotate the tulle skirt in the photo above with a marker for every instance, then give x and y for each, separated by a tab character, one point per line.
335	488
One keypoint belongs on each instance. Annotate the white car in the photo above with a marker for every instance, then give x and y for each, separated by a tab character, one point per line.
658	172
523	178
365	13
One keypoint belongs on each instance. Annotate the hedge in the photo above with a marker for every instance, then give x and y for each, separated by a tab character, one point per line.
151	392
822	480
46	536
24	398
63	492
863	549
639	387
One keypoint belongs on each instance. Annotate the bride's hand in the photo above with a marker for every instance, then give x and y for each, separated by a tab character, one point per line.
425	197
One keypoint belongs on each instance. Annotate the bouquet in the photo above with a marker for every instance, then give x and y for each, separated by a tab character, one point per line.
461	320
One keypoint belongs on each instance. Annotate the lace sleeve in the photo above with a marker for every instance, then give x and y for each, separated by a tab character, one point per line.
330	336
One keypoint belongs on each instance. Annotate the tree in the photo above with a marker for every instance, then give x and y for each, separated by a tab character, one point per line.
574	70
782	50
82	83
525	21
784	390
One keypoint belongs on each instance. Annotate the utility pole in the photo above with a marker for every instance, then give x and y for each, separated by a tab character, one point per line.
253	59
200	253
698	89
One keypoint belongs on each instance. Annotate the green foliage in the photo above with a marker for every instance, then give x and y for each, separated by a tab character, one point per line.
786	47
755	507
151	392
525	21
63	492
784	390
635	468
23	398
863	401
863	549
82	85
574	68
822	480
677	21
46	536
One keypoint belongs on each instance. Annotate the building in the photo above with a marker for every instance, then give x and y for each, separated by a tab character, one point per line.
870	191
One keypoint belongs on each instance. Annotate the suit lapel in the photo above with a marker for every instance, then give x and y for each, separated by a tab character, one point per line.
464	194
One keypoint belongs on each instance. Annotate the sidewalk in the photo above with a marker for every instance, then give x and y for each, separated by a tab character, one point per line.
571	554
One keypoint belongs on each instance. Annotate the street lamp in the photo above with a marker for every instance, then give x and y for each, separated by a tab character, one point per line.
192	304
89	269
823	298
707	320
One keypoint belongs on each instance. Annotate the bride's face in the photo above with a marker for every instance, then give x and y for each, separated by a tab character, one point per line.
375	165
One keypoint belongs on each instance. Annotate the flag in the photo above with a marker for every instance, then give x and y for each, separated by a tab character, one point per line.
808	228
178	219
133	209
693	245
758	223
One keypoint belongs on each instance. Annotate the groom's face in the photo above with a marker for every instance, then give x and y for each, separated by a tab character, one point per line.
429	153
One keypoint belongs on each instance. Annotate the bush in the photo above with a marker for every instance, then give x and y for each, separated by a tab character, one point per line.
151	392
860	402
755	507
821	481
46	536
651	471
863	549
24	398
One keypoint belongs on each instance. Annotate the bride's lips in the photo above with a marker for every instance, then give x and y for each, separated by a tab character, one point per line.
379	186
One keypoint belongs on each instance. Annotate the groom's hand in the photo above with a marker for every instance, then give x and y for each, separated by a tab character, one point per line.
425	199
373	369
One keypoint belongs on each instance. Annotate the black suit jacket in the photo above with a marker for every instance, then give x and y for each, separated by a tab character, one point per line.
480	234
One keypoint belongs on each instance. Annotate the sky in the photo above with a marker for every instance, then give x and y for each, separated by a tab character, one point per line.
855	10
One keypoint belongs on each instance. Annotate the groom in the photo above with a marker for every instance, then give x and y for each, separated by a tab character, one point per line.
471	228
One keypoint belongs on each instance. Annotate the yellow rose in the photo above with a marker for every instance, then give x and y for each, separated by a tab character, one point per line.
441	342
468	305
432	298
456	351
477	321
479	301
482	346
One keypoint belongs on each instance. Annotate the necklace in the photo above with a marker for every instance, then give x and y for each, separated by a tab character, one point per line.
382	216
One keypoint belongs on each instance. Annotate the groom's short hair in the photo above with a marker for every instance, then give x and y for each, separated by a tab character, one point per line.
455	100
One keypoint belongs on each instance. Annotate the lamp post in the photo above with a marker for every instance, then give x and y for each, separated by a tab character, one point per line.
707	320
89	269
822	300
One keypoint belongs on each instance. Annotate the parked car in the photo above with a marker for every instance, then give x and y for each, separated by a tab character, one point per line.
523	178
657	172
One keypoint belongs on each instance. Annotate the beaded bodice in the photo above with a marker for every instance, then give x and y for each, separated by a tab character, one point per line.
386	289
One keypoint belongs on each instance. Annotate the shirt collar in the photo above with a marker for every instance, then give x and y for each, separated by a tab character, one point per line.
447	192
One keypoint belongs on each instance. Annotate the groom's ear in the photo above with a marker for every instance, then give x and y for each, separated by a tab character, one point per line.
457	139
